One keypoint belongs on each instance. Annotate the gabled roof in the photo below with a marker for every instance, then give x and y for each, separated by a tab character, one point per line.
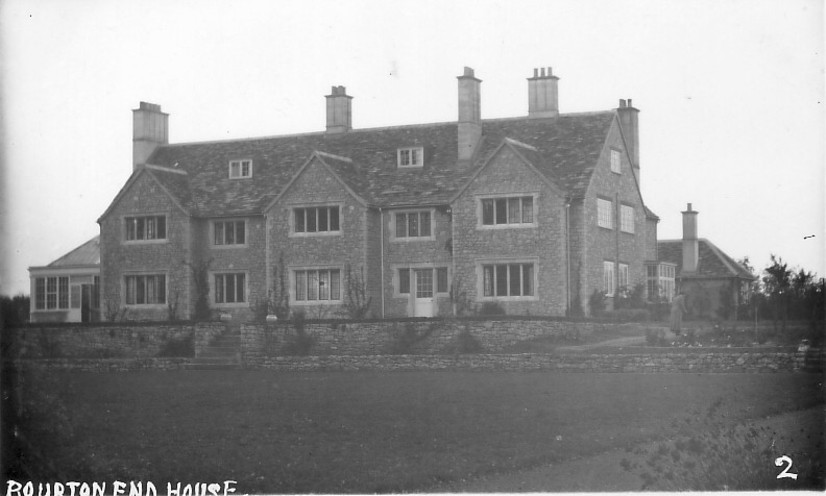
566	151
712	261
86	254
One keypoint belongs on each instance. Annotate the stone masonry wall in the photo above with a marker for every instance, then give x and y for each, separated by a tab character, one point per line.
388	336
107	341
731	362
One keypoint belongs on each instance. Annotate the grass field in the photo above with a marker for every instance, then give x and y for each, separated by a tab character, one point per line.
365	432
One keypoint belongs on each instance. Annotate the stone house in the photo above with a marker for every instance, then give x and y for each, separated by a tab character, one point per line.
531	213
67	289
707	276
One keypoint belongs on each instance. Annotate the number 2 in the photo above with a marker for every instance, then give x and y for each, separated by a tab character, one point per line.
785	473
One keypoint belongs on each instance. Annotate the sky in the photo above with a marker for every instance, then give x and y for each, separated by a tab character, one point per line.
730	94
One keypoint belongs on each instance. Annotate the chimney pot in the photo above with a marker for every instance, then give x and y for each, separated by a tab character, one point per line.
149	130
470	116
339	110
543	98
622	103
629	103
468	72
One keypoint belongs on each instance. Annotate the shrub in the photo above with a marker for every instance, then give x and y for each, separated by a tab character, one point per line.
404	341
655	337
627	315
465	343
183	347
596	303
300	343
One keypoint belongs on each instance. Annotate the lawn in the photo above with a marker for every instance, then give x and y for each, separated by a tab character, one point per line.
365	432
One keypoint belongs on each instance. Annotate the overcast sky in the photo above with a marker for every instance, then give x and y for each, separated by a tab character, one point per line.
730	92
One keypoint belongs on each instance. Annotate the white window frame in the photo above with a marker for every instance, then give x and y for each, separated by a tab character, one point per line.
237	166
627	219
125	286
605	213
509	200
305	207
219	226
407	237
61	293
396	268
411	157
521	262
215	293
616	162
623	275
297	272
608	278
130	227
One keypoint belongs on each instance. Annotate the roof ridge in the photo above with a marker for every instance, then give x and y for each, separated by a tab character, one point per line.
382	128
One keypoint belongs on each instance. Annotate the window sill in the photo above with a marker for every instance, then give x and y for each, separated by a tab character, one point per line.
228	247
306	303
494	227
507	298
146	242
323	234
230	305
146	306
411	239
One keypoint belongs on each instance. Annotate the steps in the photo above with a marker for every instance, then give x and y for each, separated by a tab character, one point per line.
223	353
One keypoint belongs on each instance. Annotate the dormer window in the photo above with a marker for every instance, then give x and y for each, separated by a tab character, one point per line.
410	157
240	169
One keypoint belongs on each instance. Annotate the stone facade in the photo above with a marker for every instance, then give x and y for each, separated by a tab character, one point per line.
119	258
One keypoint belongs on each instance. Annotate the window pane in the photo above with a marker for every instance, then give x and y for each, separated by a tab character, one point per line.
140	230
240	232
229	233
219	233
401	225
527	280
527	209
515	285
441	280
424	283
312	215
229	281
487	212
63	293
219	288
300	285
323	285
414	157
424	228
413	225
141	290
334	226
150	228
404	281
322	219
240	286
335	284
501	280
514	215
501	211
40	293
312	285
487	274
299	220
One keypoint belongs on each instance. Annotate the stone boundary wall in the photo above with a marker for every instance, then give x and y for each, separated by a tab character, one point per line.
633	363
739	361
428	336
104	364
110	340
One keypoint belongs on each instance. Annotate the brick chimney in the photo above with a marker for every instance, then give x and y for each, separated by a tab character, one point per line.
629	121
543	94
470	114
339	110
691	244
150	129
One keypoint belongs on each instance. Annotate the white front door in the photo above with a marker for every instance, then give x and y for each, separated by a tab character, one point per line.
423	287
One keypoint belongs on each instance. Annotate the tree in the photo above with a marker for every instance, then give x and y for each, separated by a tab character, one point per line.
200	276
777	282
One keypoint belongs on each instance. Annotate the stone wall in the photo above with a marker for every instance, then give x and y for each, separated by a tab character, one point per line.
401	336
106	365
715	362
122	340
